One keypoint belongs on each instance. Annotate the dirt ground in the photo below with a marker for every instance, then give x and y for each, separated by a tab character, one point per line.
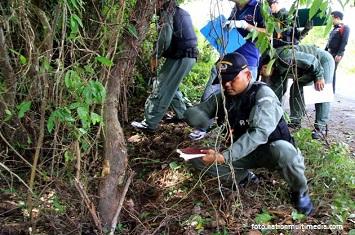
342	124
162	190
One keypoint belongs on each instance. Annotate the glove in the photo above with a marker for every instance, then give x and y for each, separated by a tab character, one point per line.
235	24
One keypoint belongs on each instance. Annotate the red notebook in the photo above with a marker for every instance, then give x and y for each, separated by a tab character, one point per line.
190	153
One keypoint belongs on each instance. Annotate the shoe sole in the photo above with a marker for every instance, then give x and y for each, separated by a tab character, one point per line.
139	126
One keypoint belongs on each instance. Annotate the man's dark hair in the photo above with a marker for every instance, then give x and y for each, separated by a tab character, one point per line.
264	59
272	1
337	14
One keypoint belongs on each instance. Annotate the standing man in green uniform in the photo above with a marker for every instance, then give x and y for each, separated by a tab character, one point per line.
177	42
313	65
260	134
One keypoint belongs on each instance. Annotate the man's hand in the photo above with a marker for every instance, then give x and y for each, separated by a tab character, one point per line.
235	24
154	64
211	157
319	85
338	58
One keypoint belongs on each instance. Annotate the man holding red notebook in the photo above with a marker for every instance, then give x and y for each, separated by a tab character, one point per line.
260	136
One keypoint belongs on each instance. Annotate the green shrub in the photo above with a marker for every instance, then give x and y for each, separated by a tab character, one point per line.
332	174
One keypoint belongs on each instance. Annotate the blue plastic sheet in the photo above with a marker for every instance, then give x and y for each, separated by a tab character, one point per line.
223	39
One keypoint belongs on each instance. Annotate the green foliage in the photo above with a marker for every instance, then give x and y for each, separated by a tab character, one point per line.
59	115
342	207
317	8
332	169
174	165
75	21
94	93
8	190
132	30
263	218
84	95
120	228
8	115
103	60
23	108
58	206
68	156
317	36
297	216
21	58
314	8
263	42
263	39
72	80
77	5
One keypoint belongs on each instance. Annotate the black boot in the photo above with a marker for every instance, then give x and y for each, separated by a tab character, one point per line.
302	202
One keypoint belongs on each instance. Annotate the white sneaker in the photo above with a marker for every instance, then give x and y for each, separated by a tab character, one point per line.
142	125
197	134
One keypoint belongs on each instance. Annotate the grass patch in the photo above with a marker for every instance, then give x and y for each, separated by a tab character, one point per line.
331	172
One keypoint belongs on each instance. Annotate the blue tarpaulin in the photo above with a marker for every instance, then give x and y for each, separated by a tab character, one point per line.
224	40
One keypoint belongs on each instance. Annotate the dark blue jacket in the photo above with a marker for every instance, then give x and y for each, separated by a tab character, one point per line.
338	39
184	39
251	13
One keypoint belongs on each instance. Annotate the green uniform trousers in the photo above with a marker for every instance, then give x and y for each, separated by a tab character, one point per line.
296	93
165	91
279	155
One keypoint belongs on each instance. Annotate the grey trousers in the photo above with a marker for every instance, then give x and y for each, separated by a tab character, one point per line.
165	91
279	155
296	94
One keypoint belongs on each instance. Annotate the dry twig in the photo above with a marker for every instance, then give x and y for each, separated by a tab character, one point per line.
115	218
89	204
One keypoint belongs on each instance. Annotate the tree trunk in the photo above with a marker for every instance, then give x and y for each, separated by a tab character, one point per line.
10	79
115	158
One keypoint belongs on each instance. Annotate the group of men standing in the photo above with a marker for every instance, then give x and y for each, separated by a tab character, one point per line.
260	135
304	64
